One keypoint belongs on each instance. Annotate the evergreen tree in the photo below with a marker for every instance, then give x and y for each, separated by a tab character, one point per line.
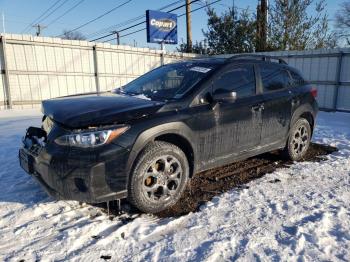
291	27
197	48
230	33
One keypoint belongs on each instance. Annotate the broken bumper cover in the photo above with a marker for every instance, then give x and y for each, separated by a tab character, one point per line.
91	176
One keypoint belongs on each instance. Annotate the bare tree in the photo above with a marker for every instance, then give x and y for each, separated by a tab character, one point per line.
342	19
73	35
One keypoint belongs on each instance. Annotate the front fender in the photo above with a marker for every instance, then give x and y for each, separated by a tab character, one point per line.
149	135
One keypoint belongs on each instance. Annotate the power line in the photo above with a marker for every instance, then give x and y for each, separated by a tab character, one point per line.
124	23
193	10
110	28
143	22
44	13
139	30
66	12
134	32
192	2
99	17
42	19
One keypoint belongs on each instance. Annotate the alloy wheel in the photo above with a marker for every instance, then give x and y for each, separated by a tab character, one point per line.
300	140
162	178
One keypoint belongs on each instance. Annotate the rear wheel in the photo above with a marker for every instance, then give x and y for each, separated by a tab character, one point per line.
298	140
159	177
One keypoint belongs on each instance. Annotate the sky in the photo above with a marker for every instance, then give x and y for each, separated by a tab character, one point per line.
19	14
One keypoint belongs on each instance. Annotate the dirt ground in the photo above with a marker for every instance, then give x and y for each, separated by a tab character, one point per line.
205	185
208	184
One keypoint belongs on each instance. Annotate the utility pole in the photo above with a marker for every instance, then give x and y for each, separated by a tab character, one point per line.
262	25
117	36
188	26
39	28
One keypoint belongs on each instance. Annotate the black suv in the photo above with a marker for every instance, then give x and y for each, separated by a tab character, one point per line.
145	140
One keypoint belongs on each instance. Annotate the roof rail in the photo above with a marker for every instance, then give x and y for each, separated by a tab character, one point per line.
260	57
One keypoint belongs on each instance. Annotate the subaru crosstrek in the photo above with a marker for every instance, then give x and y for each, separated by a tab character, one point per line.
144	141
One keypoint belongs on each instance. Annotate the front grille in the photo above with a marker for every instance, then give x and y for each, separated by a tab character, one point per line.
36	149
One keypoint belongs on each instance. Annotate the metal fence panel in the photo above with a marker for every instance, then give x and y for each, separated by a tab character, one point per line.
327	70
344	98
39	68
345	72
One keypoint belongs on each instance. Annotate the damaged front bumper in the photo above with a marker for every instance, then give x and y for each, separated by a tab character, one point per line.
91	175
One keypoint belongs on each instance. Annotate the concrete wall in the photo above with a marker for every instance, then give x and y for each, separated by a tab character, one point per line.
38	68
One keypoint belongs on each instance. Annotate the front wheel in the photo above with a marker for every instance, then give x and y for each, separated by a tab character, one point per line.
298	140
159	177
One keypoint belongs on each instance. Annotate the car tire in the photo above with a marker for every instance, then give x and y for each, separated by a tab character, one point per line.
159	177
298	140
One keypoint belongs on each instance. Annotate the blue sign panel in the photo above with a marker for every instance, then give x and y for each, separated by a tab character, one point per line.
161	27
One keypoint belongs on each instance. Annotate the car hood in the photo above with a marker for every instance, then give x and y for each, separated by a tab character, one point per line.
81	111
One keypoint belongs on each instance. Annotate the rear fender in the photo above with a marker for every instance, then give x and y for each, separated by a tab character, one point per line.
305	108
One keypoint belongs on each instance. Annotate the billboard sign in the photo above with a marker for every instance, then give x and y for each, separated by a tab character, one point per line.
161	27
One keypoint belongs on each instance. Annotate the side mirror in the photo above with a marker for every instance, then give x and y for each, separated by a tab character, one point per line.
225	97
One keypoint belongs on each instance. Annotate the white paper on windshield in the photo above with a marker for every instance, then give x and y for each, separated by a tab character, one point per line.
200	69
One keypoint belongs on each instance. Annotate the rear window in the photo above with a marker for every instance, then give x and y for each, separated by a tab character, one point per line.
297	79
274	78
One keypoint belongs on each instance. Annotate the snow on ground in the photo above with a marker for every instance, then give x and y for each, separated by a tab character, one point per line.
306	216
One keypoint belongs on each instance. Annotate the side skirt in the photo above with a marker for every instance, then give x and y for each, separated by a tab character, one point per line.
231	158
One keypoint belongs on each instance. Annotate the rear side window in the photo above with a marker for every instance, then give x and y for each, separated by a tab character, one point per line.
238	79
297	80
274	78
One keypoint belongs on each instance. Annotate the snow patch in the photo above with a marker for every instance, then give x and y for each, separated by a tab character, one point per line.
306	216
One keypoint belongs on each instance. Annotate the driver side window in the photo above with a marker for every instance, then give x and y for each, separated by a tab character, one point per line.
237	79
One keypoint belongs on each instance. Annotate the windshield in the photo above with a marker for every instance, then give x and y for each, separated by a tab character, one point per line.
167	82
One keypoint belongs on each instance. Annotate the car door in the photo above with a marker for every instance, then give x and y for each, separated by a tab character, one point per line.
226	129
277	103
238	122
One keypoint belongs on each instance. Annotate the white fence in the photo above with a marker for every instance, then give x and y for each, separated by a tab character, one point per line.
38	68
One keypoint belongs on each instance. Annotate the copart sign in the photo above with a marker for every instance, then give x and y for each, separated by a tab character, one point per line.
161	27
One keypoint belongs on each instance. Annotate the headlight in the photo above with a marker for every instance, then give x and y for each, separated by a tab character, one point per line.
91	138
